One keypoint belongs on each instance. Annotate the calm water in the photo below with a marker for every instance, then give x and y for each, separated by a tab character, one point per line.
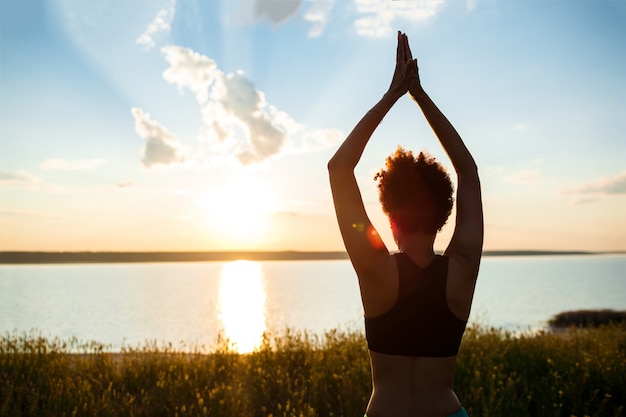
128	304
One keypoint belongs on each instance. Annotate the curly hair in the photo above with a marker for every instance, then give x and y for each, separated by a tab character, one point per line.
415	193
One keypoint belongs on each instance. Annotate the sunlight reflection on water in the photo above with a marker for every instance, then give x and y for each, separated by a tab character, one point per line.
242	304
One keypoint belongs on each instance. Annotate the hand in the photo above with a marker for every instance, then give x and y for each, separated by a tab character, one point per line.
415	86
406	68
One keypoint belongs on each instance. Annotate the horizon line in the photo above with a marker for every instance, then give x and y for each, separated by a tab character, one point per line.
42	257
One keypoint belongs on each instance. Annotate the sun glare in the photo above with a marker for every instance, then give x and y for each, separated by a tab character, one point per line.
239	210
242	304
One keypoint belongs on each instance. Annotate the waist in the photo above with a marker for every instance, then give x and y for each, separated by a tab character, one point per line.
413	373
408	386
423	403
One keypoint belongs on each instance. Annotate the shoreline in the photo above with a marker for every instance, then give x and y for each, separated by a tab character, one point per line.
26	257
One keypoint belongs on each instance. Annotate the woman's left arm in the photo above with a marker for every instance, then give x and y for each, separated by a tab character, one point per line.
364	245
362	241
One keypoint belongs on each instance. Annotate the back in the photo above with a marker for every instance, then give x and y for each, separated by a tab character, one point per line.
420	323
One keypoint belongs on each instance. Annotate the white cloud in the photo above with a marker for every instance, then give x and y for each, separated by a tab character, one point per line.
378	16
238	121
190	69
75	165
162	147
318	15
28	181
17	179
247	105
162	22
615	184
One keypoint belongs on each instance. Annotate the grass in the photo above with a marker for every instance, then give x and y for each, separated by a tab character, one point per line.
574	373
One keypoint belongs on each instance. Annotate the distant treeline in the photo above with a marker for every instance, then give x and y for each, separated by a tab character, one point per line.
587	318
16	257
123	257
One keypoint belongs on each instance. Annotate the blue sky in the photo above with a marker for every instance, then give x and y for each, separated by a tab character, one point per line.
207	125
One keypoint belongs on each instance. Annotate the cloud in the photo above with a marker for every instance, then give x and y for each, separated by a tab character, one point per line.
378	16
248	108
28	181
75	165
607	185
374	18
276	10
318	15
162	22
19	179
189	69
125	184
238	121
162	147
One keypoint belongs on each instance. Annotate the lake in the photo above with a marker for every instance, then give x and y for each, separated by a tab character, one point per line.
190	303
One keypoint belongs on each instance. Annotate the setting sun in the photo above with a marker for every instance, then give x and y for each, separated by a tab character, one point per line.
239	209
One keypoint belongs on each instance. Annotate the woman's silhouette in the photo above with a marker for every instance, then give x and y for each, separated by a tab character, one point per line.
416	303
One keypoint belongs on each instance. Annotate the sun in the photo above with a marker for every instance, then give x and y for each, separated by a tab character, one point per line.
238	210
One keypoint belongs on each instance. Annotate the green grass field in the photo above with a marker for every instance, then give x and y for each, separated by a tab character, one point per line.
572	373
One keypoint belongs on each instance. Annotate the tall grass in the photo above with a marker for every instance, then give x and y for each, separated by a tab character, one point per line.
579	372
576	373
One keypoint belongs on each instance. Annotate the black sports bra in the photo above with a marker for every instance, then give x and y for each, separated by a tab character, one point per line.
420	323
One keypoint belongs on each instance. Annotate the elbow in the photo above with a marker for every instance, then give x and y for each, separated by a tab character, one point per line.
337	164
331	164
468	169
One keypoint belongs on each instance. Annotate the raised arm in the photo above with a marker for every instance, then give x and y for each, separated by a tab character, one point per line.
467	240
364	245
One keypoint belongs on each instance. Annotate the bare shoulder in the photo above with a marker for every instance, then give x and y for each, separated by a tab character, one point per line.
379	286
461	282
462	266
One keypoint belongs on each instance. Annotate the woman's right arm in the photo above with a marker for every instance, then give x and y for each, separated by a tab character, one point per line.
467	239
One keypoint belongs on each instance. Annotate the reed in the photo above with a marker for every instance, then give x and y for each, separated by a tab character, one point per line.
573	373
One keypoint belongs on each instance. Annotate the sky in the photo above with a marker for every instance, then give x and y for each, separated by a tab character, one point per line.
192	125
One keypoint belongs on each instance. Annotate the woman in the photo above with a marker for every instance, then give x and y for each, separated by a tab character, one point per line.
416	303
